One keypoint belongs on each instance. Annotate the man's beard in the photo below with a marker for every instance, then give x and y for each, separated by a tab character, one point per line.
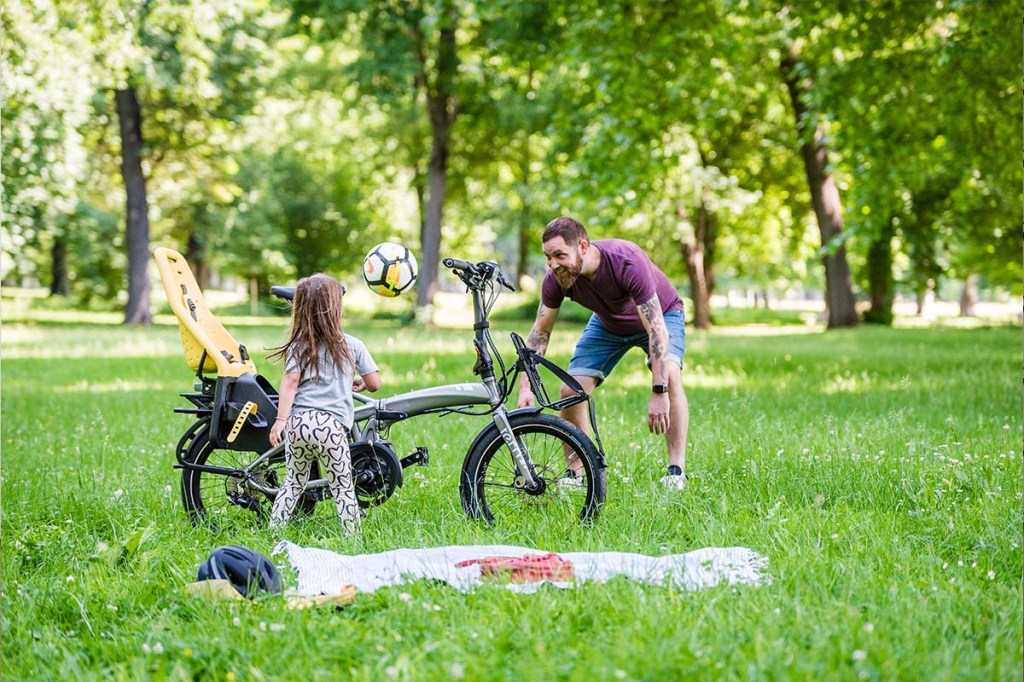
567	275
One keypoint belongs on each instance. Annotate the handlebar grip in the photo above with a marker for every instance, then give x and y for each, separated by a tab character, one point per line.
457	264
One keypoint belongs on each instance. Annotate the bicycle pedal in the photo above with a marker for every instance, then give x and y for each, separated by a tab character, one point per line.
420	457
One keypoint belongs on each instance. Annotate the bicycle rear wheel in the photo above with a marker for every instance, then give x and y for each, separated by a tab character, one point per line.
492	490
222	500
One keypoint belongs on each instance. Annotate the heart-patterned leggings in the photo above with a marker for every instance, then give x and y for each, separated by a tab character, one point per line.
308	436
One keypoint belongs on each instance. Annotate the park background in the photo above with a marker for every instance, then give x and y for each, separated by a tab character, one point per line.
835	187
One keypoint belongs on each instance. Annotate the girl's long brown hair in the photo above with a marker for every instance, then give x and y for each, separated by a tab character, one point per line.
316	325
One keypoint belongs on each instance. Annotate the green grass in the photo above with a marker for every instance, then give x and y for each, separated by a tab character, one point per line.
879	471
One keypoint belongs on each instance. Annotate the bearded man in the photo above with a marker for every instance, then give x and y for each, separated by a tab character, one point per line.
634	305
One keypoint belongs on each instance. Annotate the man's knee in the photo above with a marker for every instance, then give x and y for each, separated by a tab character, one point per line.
588	384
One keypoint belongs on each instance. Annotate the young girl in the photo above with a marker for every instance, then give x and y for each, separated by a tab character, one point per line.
315	410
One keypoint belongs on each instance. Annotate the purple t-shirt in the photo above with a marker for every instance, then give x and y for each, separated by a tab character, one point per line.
625	277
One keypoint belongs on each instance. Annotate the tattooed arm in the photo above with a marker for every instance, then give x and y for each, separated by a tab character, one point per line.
654	323
538	341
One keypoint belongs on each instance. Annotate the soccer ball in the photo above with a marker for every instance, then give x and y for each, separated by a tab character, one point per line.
389	269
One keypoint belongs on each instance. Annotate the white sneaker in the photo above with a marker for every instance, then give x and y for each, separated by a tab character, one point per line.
674	482
571	483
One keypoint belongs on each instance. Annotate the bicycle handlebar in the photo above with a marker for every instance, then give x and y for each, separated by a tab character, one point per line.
457	264
475	275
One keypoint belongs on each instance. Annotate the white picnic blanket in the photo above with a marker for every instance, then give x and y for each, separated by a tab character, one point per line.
322	571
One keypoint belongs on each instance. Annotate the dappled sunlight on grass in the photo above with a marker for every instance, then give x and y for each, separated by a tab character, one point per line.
849	383
693	377
45	342
768	330
115	386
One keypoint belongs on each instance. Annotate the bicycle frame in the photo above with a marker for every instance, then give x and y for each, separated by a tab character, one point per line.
375	415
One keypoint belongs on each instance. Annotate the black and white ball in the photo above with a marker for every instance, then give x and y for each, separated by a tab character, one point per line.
389	269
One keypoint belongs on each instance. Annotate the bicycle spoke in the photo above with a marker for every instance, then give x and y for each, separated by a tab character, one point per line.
502	494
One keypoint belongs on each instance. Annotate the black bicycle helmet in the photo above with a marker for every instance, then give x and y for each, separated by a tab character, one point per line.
248	572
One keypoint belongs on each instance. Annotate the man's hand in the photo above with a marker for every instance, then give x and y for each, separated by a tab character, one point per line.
657	413
538	342
525	394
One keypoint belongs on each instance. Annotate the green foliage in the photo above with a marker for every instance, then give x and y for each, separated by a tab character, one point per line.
286	137
878	470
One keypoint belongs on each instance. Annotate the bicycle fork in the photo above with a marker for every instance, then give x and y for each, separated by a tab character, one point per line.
527	474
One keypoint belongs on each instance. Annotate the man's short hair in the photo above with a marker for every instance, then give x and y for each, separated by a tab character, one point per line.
569	229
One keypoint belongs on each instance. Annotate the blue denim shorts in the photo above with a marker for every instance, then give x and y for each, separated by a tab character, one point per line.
598	350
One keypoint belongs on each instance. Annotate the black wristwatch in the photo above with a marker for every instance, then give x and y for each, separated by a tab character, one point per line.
660	388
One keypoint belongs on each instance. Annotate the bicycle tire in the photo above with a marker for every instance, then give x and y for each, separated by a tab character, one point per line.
219	500
488	485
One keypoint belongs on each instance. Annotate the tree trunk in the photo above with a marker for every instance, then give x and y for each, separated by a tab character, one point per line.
59	285
880	279
926	300
419	184
254	295
969	296
695	255
525	215
441	105
137	225
825	199
525	218
195	255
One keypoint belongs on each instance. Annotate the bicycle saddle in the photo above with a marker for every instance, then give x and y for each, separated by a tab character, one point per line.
287	293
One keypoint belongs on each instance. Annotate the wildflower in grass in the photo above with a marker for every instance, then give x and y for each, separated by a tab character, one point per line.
70	579
236	621
118	493
276	627
457	671
869	628
404	596
991	575
187	652
859	655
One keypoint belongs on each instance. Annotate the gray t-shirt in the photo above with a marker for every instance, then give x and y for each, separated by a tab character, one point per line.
332	392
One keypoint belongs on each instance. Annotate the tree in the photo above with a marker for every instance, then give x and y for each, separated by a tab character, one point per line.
45	103
824	197
408	57
129	117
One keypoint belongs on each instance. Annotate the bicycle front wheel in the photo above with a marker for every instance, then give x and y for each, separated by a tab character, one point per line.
493	490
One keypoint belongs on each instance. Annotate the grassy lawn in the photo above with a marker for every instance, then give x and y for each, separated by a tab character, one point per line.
878	470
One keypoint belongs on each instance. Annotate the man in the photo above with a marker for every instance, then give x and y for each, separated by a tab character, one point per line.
634	305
